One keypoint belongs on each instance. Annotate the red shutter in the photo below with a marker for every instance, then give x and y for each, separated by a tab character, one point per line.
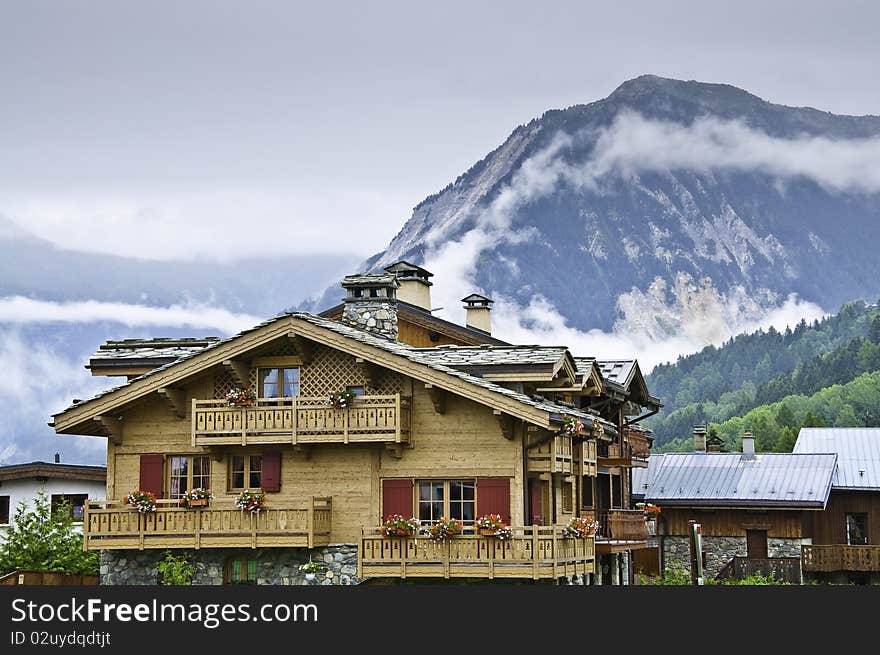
153	474
397	498
271	471
493	497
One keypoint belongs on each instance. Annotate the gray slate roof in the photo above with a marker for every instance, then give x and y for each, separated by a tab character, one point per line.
161	348
617	370
729	480
857	449
469	356
413	354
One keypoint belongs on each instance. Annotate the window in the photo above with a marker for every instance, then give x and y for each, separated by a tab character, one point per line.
246	472
588	491
857	529
357	391
76	501
455	499
4	510
567	497
279	382
241	570
187	472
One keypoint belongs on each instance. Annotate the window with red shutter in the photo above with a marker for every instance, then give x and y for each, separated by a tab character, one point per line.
493	497
152	474
271	473
397	498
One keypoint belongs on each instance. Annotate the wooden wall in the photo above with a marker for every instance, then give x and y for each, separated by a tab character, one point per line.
420	337
464	442
829	527
732	522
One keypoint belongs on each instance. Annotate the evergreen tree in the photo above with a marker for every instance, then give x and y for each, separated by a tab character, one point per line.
39	540
874	330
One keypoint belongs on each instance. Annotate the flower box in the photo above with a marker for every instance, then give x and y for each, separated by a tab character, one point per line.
398	526
196	497
580	527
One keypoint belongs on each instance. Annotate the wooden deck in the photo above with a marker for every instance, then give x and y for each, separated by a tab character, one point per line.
300	420
117	526
833	557
534	552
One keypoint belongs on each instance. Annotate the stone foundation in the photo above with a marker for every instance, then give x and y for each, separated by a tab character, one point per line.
275	566
720	550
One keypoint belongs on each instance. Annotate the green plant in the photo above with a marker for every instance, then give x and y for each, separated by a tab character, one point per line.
311	567
196	494
177	571
341	399
241	397
251	501
142	501
580	527
444	528
42	540
675	575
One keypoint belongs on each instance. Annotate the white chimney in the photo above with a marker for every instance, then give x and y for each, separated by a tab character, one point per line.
415	285
748	446
478	308
699	438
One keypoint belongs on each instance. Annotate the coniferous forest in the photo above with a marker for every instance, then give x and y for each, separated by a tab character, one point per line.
825	373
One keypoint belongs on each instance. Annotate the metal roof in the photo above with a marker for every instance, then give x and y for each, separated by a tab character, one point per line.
731	480
857	449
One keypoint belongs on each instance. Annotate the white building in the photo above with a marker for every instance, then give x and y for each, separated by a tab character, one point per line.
73	482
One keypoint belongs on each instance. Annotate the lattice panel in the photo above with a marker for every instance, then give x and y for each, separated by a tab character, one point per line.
331	370
224	383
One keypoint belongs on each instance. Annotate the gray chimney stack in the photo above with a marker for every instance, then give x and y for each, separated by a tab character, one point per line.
371	303
478	309
748	446
699	438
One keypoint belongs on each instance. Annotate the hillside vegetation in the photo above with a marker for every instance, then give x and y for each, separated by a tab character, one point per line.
755	371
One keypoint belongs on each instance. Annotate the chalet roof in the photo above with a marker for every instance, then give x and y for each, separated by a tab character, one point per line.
52	470
476	298
160	350
414	355
857	449
619	371
492	355
730	480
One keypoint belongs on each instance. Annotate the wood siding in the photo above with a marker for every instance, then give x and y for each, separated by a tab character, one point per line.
732	522
829	527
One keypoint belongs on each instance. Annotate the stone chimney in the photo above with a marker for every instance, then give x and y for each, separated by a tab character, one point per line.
415	286
748	446
699	438
371	304
57	458
478	308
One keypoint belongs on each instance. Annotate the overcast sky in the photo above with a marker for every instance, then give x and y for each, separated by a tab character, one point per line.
290	116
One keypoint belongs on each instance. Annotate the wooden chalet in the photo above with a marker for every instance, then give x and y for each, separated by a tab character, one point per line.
845	538
445	421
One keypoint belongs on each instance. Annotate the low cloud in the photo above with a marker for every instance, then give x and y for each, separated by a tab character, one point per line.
38	381
20	310
670	317
215	224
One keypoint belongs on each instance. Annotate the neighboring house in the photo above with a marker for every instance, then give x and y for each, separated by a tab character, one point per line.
446	421
754	509
846	536
72	482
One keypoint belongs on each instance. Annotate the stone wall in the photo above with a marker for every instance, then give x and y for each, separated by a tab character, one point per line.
720	550
278	566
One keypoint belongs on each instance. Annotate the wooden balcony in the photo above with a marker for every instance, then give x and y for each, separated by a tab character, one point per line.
300	420
827	558
621	529
534	552
553	456
117	526
633	451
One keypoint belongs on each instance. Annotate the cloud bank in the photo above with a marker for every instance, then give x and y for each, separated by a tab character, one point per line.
20	310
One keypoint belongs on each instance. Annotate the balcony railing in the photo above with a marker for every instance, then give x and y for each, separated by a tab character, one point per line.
553	456
633	452
784	569
300	420
622	525
115	525
840	558
534	552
